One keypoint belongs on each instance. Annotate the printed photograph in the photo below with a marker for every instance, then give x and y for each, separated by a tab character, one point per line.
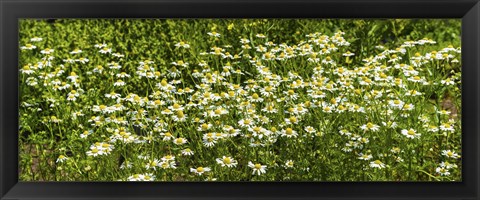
240	100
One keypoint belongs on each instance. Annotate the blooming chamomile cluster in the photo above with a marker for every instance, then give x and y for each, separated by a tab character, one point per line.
247	105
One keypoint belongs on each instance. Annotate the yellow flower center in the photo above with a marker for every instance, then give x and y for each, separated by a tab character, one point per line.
176	106
369	125
333	101
164	82
258	166
200	169
227	160
289	131
204	126
180	114
411	132
269	88
293	119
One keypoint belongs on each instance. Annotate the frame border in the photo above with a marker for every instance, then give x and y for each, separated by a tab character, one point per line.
12	10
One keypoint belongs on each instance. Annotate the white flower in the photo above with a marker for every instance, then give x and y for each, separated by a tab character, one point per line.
447	81
442	171
28	47
100	45
370	126
447	127
227	161
47	51
36	39
410	133
310	129
61	159
260	35
180	141
450	154
119	83
141	177
76	51
214	34
200	170
257	168
348	54
187	152
362	156
183	45
289	164
377	164
95	152
289	132
105	50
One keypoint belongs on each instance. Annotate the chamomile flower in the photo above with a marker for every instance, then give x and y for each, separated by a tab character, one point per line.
246	122
76	51
227	161
310	130
200	170
410	133
444	112
447	126
105	50
289	164
180	141
362	156
377	164
36	39
182	44
370	127
442	171
152	164
288	132
47	51
61	159
214	34
187	152
28	47
167	136
450	154
95	152
257	168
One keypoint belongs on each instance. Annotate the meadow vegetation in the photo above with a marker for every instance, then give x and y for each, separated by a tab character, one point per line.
240	100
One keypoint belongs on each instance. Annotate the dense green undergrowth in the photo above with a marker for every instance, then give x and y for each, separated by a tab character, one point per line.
240	100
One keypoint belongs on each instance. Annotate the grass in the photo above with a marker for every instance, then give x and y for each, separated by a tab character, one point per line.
240	100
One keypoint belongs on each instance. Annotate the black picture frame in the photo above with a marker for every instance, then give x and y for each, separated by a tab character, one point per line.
13	10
